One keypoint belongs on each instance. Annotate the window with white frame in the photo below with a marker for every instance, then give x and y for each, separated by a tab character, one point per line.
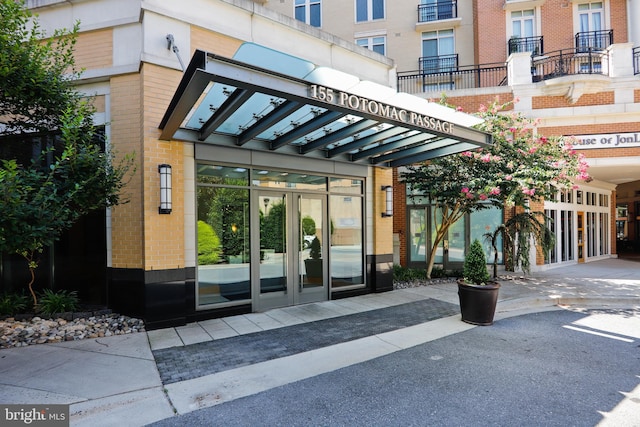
591	23
309	12
438	51
369	10
376	43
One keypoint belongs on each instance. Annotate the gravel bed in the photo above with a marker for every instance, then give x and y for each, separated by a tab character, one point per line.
16	332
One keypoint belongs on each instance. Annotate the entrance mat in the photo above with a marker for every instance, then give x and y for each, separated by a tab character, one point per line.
197	360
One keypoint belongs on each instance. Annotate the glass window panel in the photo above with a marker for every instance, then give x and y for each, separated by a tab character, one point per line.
223	245
378	9
347	251
280	179
314	14
222	175
362	13
345	185
417	235
486	221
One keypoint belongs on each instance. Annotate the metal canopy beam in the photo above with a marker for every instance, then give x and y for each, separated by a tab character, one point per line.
367	140
269	120
432	154
302	130
235	101
393	146
338	135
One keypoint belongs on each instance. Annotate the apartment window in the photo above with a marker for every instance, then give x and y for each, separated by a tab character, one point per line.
369	10
522	23
308	11
438	51
376	44
590	16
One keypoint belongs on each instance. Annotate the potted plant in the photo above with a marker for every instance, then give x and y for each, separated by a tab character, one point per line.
477	293
313	265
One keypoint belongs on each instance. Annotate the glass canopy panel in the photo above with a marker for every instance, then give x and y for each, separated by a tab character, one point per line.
249	113
216	96
360	135
327	130
292	121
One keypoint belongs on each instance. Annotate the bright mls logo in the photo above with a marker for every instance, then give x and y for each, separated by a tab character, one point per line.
35	415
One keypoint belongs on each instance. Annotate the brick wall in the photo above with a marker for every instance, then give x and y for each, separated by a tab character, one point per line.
400	215
600	98
163	234
557	25
94	49
126	138
491	38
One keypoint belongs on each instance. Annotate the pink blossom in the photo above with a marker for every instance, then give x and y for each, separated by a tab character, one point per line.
529	191
495	191
458	108
483	197
469	196
508	177
465	189
533	150
486	158
483	108
467	154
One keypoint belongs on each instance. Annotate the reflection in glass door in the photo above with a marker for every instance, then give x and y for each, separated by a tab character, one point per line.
292	268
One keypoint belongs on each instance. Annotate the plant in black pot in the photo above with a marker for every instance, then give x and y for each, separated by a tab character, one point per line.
313	265
478	294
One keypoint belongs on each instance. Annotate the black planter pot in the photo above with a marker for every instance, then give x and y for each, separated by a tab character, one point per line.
478	302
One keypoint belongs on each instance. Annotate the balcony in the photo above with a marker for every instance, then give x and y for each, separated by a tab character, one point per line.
593	40
437	11
567	62
451	77
438	64
526	44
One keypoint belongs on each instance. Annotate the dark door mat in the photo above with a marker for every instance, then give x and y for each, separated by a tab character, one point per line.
197	360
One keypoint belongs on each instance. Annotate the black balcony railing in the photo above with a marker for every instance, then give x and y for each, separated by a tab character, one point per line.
464	77
438	64
593	40
437	11
526	44
567	62
636	60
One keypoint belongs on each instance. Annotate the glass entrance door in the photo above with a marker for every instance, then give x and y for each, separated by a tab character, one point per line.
292	267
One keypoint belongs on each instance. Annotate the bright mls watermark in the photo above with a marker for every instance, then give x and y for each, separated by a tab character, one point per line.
34	415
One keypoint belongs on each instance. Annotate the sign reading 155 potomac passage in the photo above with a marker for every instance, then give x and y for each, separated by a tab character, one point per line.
377	108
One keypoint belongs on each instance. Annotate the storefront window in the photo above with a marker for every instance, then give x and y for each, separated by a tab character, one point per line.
223	235
346	219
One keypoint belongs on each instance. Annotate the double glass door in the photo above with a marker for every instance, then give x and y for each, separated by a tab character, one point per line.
290	237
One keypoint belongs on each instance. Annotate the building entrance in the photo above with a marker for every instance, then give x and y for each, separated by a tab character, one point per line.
290	239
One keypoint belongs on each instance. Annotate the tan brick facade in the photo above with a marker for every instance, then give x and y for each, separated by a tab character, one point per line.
94	49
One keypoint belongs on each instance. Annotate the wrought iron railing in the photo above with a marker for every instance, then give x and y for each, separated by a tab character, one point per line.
464	77
568	62
526	44
438	64
445	9
636	60
593	40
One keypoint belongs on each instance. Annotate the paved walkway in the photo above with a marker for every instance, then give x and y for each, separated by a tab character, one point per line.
141	378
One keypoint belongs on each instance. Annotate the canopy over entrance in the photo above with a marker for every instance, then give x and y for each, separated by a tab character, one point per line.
298	108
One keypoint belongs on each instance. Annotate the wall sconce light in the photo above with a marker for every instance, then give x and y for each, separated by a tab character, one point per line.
165	189
388	199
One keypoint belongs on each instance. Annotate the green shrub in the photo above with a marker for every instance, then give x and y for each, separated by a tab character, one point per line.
57	302
405	274
13	303
475	265
208	244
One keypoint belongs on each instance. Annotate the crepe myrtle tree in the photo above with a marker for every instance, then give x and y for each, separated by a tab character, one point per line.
43	197
520	167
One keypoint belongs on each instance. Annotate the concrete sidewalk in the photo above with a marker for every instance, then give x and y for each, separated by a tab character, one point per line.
115	380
